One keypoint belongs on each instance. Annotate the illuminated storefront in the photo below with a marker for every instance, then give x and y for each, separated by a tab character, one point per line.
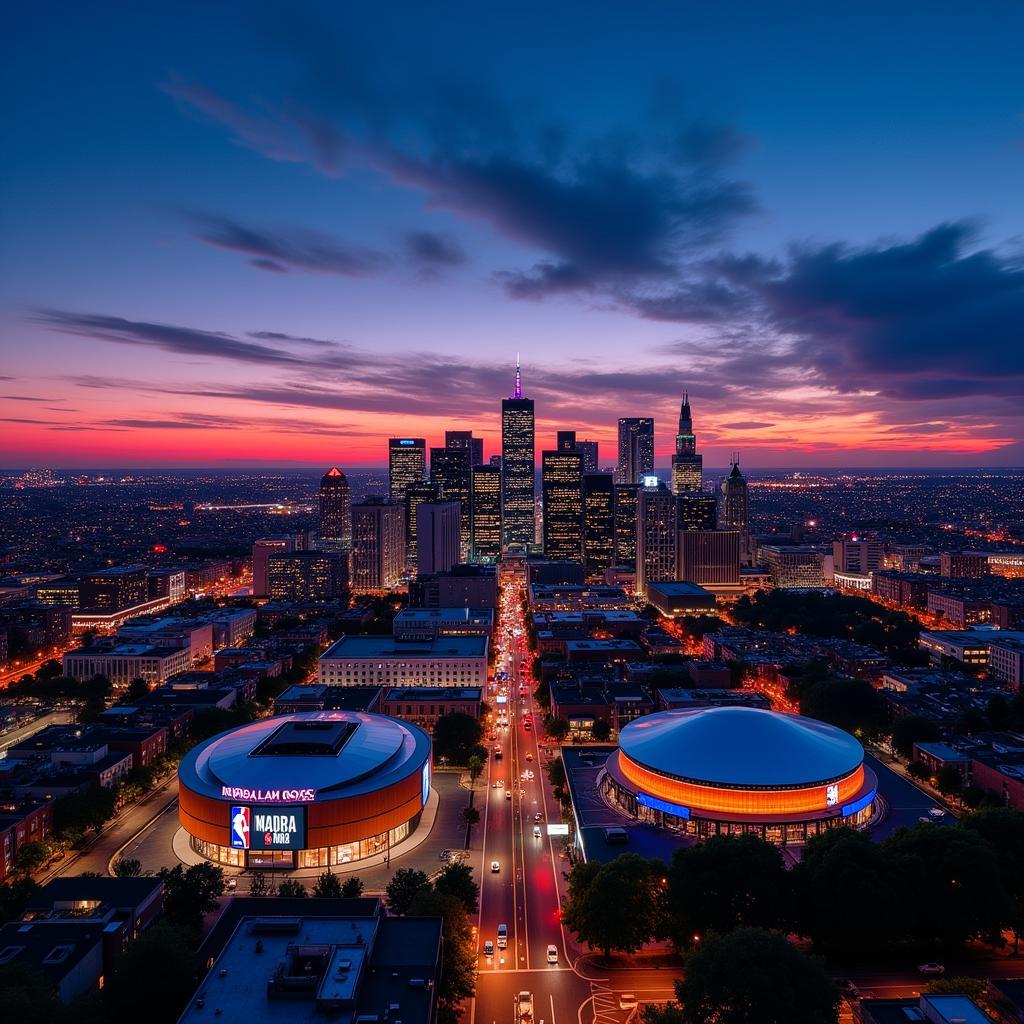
736	770
313	789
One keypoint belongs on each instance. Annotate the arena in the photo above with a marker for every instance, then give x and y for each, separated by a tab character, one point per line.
307	790
733	770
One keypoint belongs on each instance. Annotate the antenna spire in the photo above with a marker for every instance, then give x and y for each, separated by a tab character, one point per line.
519	380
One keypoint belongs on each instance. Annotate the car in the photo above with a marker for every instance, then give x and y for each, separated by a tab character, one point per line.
936	813
538	816
529	756
231	885
552	953
536	831
627	1001
495	867
488	948
502	936
508	794
931	968
524	1006
496	784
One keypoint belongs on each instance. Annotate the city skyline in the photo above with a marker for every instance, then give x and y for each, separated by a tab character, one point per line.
277	243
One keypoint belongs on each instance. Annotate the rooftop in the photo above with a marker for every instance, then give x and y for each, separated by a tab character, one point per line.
393	648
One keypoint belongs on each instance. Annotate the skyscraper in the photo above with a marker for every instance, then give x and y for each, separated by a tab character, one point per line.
697	511
263	550
588	449
566	440
626	496
378	545
636	449
518	472
709	557
485	514
335	511
598	521
562	489
656	536
437	536
407	464
735	508
687	465
465	440
307	575
415	495
450	471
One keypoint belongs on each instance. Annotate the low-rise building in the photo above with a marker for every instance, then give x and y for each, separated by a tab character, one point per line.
317	697
678	597
430	623
424	705
123	662
388	661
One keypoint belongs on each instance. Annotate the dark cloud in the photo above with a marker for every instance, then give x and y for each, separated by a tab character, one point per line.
274	268
297	339
746	425
283	248
168	337
433	250
26	398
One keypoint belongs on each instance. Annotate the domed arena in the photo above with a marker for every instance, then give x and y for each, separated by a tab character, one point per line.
734	770
306	790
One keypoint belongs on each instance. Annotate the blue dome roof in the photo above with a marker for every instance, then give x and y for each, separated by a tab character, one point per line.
737	746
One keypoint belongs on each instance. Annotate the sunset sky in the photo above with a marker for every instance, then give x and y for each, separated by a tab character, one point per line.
269	235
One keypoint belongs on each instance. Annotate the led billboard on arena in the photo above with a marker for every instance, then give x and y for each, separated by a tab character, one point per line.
730	770
312	789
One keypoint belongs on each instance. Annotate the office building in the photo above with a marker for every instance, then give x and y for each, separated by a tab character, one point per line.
636	449
437	536
451	472
734	511
378	546
518	472
598	521
112	590
656	530
335	511
698	511
265	548
415	495
795	566
407	464
430	623
307	576
709	557
588	449
485	513
687	465
857	555
681	598
464	440
387	661
565	440
964	565
562	490
626	498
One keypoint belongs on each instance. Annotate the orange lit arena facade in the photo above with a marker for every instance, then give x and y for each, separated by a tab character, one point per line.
736	770
306	790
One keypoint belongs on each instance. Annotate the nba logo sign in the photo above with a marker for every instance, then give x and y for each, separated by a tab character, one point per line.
240	828
832	795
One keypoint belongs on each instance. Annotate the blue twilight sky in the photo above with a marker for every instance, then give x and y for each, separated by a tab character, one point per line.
280	233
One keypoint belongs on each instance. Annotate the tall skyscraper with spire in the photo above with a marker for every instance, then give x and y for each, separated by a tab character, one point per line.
518	472
687	465
735	507
335	511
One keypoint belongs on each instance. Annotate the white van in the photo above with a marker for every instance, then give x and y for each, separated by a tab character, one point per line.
502	936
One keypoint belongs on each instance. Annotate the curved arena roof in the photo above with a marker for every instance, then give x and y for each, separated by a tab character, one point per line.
743	747
336	753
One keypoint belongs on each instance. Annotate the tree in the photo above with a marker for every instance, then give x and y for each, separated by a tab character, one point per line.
328	885
28	995
558	779
31	857
128	867
615	905
14	895
402	889
352	887
456	879
258	884
1003	829
471	815
457	736
726	883
919	770
946	885
949	780
80	812
752	976
601	731
458	954
851	704
556	728
476	766
157	972
189	893
136	688
842	869
911	729
974	988
292	887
